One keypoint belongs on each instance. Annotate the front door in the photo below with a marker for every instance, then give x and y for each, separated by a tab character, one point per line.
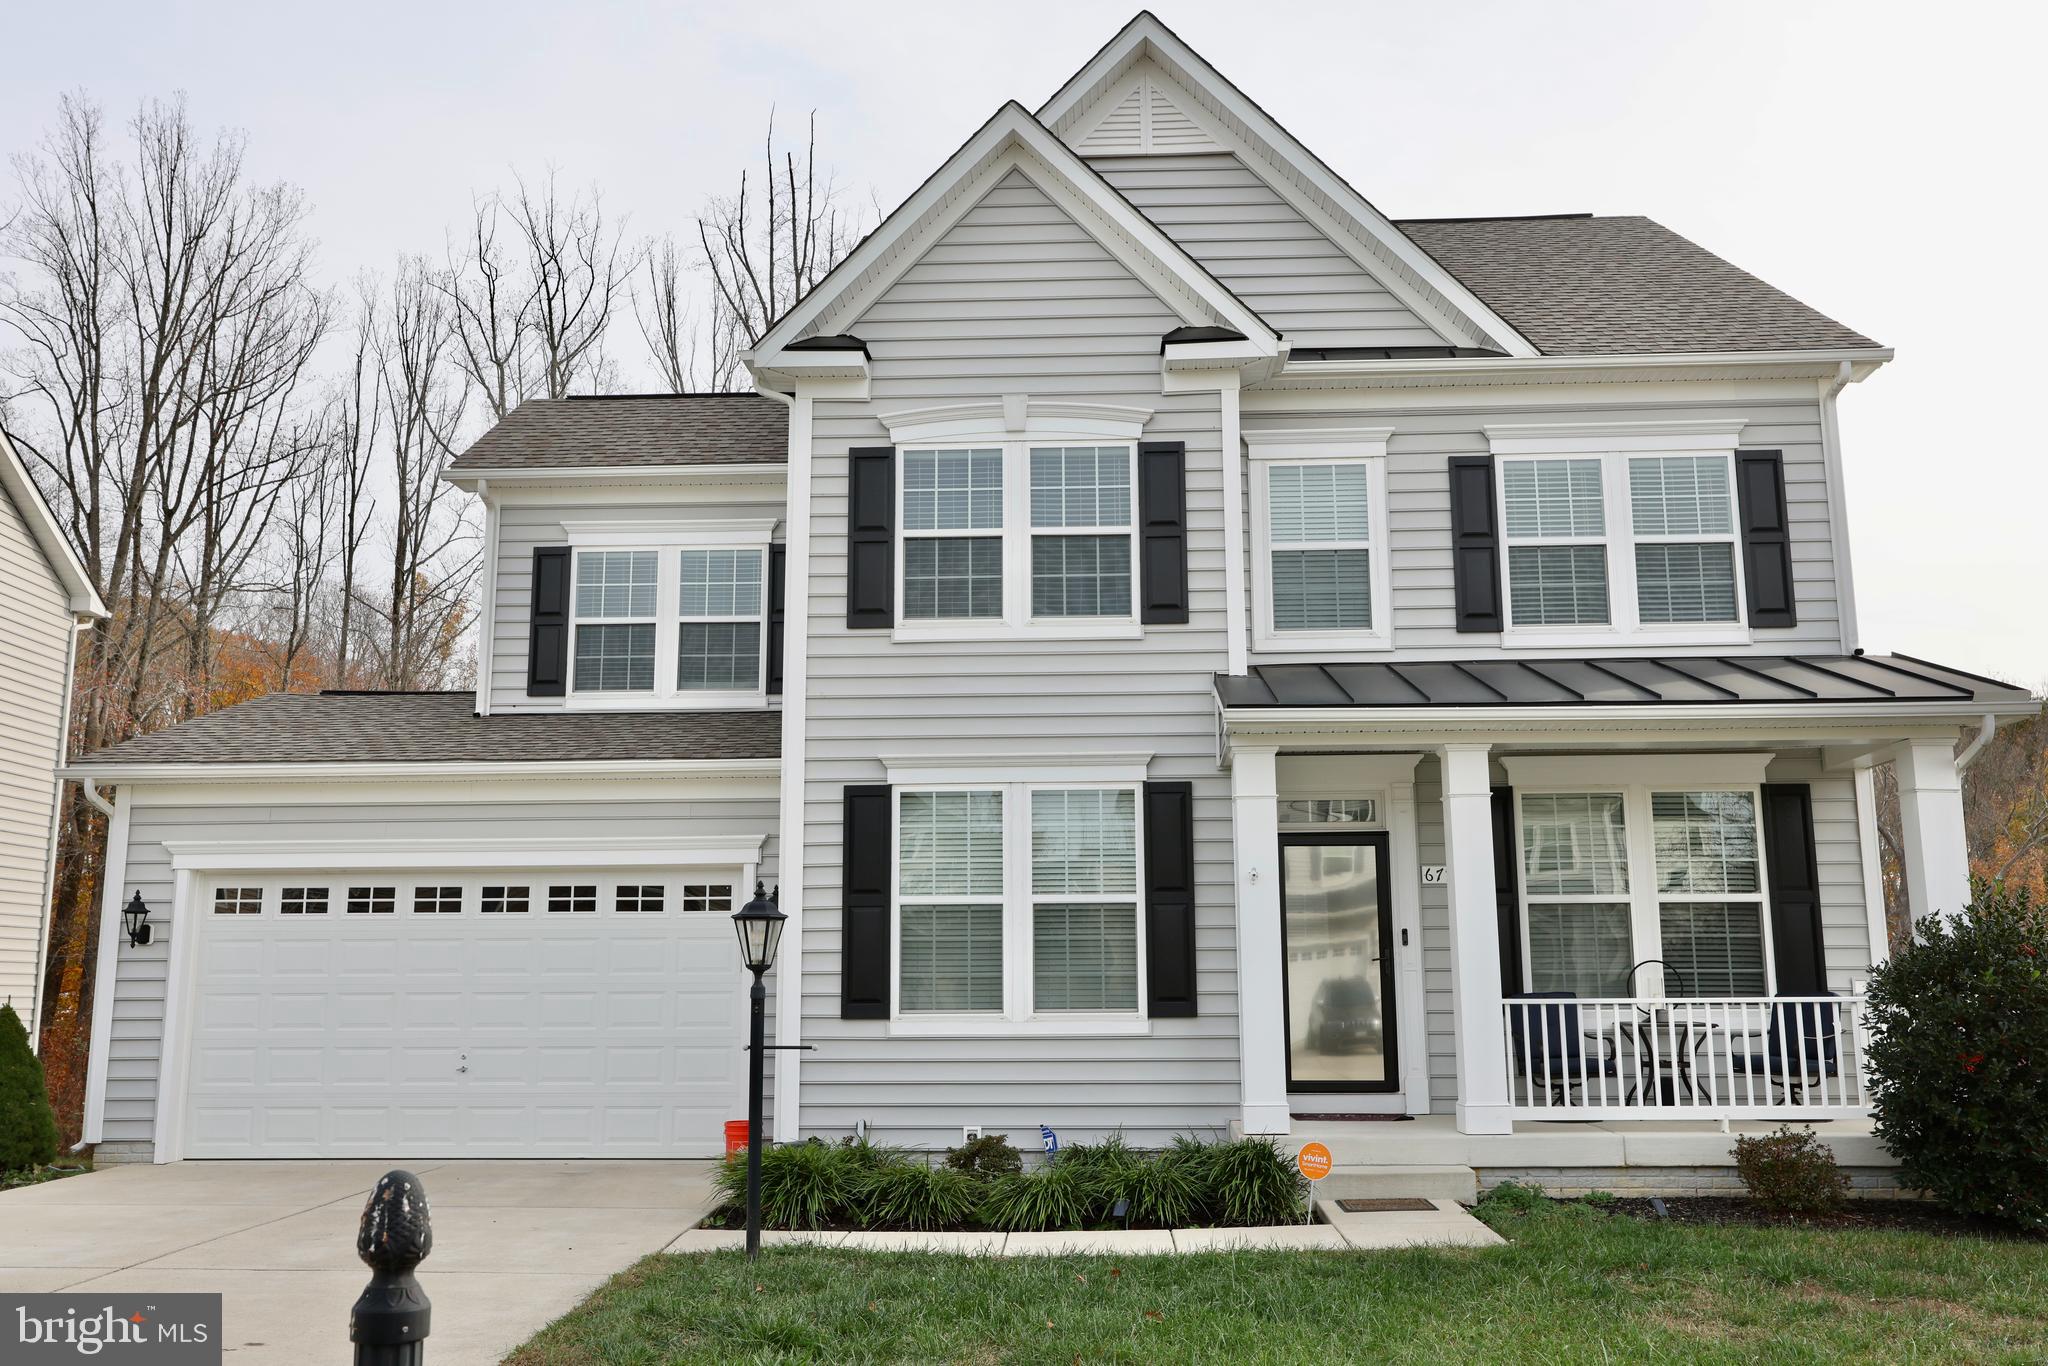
1337	939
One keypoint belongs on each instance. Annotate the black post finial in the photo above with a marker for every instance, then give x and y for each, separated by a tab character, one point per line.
390	1320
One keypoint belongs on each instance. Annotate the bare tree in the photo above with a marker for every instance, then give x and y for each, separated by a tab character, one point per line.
354	414
493	312
690	353
771	243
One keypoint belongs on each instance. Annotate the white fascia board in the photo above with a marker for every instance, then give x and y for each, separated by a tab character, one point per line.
1533	369
1146	36
1735	769
42	525
391	772
790	369
704	851
1704	720
1012	139
666	531
753	472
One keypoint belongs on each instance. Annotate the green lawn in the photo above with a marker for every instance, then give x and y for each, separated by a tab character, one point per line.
1574	1285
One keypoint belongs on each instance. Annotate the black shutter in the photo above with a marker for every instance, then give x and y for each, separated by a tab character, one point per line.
1507	900
1170	900
547	629
776	612
865	893
1795	889
1163	532
1766	538
1475	544
871	538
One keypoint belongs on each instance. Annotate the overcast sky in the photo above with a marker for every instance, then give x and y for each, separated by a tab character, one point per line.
1880	161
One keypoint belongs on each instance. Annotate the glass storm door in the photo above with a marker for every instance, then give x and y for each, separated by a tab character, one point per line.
1336	930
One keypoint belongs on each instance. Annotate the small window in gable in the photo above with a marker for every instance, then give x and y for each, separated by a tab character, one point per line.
237	900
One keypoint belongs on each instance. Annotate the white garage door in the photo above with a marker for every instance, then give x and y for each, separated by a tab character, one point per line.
562	1015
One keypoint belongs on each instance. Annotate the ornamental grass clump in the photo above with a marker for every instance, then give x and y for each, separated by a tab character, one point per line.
908	1194
803	1185
1059	1195
1958	1055
1245	1182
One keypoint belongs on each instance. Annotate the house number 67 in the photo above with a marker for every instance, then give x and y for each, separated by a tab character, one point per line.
1432	875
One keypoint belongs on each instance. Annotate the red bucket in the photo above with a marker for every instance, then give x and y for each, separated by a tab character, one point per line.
735	1136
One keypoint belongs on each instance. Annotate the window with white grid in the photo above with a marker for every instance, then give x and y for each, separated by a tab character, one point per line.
437	900
237	900
372	900
572	898
950	906
640	898
1575	892
718	643
952	534
1710	890
500	899
1319	526
614	599
1556	536
713	898
1083	494
302	901
1084	899
1682	509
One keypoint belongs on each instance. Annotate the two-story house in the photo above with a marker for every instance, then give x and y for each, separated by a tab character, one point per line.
1194	653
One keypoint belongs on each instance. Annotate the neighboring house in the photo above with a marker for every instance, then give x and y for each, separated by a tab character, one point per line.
1192	652
46	599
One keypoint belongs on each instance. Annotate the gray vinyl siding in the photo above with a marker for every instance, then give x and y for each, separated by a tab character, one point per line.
35	640
1419	514
1283	266
136	1043
524	525
1015	298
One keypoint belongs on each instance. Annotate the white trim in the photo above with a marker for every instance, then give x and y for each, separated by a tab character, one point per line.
1229	403
339	771
287	855
670	532
1010	140
1602	438
1543	369
1552	771
1016	417
1705	720
512	478
669	541
65	566
923	770
1261	960
173	1060
1326	446
1838	507
487	603
790	849
1410	997
1064	1024
1146	36
1871	864
107	969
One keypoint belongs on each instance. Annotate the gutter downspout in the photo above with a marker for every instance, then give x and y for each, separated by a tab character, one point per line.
1985	730
1838	503
487	607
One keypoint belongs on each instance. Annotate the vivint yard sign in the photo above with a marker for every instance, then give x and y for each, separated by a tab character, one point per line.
162	1330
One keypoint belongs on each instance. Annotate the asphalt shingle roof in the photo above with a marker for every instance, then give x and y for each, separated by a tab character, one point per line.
1820	679
438	727
636	431
1618	286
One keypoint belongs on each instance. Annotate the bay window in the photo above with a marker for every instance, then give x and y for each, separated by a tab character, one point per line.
668	612
1018	902
1618	531
1659	868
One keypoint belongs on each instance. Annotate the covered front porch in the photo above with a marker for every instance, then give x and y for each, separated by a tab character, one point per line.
1479	895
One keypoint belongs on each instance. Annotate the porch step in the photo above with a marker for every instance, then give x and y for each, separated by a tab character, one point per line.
1388	1182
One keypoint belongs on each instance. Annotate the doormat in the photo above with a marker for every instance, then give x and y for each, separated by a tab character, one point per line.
1349	1119
1406	1204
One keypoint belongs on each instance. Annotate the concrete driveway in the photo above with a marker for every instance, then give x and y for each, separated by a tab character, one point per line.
516	1244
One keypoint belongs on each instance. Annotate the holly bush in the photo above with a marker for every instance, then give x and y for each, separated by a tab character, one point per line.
28	1131
1959	1058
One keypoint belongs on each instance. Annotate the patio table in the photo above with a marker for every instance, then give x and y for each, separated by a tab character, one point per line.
1670	1040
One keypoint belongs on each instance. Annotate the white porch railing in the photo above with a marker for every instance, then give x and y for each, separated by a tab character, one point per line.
1788	1057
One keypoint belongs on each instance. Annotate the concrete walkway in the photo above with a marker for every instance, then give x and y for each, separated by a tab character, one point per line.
516	1244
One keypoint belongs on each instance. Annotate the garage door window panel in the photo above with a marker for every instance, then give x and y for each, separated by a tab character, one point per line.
372	900
504	900
302	901
640	898
238	901
572	898
437	900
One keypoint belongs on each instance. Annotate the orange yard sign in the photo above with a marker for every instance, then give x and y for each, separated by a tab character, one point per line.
1313	1161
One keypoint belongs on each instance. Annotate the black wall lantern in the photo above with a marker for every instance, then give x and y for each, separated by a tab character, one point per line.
137	916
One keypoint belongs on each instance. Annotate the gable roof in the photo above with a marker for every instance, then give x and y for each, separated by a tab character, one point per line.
20	488
438	728
1012	139
1580	285
1424	285
633	431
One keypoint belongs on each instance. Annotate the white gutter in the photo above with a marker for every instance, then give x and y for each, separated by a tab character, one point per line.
1838	501
766	471
1985	729
1578	716
342	772
1476	367
487	607
89	789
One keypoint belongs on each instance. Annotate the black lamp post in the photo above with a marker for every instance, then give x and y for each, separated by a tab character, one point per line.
759	923
136	914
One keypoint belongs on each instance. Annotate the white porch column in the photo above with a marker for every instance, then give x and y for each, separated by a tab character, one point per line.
1483	1094
1931	810
1261	983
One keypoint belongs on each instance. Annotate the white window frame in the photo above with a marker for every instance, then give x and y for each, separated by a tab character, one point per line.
1312	446
1019	1014
1016	423
1636	778
1614	444
668	540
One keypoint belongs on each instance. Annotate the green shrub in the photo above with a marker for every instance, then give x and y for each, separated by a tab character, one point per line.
1511	1200
1959	1059
1165	1192
28	1129
1060	1195
905	1193
1791	1172
989	1155
803	1185
1247	1181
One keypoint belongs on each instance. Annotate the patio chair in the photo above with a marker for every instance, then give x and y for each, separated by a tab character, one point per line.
1556	1057
1801	1047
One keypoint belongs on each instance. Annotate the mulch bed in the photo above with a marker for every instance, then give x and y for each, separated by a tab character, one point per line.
1912	1216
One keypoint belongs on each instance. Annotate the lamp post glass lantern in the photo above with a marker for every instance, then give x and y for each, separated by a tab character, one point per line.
759	924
